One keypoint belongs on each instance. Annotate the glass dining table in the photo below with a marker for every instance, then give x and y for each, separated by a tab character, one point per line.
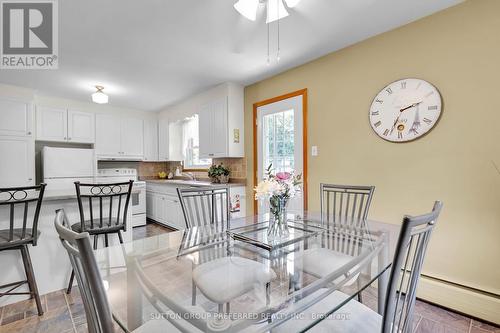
152	278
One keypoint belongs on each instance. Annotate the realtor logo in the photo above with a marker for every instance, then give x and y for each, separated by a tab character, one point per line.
28	34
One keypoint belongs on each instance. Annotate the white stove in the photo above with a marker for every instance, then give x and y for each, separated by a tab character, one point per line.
138	198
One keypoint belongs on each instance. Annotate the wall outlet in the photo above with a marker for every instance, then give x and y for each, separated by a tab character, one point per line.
314	150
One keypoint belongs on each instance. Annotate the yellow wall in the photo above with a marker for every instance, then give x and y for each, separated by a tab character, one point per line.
458	50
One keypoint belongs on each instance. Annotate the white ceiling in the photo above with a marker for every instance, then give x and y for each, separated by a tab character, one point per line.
153	53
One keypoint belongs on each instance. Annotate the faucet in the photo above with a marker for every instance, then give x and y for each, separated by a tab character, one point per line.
190	175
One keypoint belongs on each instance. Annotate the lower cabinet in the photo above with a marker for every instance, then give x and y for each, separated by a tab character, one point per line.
165	209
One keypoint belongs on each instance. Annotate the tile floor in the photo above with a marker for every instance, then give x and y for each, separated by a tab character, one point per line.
64	313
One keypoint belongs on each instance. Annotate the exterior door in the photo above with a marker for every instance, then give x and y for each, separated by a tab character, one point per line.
280	142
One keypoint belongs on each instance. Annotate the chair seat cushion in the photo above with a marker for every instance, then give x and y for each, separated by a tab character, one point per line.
321	262
353	317
17	237
107	227
224	279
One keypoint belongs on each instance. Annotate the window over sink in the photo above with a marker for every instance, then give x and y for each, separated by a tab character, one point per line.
191	145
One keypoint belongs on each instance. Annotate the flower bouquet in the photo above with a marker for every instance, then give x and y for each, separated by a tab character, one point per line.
279	188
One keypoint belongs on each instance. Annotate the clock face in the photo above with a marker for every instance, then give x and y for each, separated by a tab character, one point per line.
405	110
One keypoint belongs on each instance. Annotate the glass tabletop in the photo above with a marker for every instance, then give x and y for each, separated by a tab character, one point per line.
205	279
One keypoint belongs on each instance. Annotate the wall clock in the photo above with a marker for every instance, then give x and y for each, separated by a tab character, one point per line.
405	110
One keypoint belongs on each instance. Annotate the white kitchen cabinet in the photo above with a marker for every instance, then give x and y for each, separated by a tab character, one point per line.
119	138
108	135
221	124
163	140
132	137
150	212
51	124
163	206
151	140
62	125
17	161
16	118
81	126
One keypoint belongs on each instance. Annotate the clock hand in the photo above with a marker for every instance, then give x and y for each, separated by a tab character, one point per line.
400	112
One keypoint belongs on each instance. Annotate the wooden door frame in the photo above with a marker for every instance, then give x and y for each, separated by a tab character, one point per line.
303	93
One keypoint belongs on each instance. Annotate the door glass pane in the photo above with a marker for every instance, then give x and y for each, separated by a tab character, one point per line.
278	142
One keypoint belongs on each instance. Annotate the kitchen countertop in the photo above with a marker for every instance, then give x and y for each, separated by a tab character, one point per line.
189	182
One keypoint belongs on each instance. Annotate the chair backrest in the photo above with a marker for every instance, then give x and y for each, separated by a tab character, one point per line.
405	272
205	205
97	309
344	203
100	195
22	197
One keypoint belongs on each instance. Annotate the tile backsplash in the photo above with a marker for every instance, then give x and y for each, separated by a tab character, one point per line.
237	166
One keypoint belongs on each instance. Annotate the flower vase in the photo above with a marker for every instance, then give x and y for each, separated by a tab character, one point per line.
278	224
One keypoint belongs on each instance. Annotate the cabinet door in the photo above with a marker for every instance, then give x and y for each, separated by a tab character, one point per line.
17	162
205	118
160	208
108	135
51	124
150	205
150	140
132	137
163	142
81	127
16	118
219	128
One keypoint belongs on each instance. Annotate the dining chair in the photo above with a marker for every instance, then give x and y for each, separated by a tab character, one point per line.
209	206
101	220
18	236
342	205
97	309
400	296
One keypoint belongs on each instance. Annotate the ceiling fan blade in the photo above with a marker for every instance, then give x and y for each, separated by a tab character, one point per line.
247	8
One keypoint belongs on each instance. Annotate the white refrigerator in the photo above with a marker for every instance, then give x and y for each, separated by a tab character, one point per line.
61	167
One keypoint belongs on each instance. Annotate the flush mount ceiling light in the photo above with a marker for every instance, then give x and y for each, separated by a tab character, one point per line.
276	10
99	97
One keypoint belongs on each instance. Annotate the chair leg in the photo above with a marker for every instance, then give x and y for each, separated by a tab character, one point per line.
227	308
360	298
70	284
106	242
95	241
120	237
30	276
220	308
193	293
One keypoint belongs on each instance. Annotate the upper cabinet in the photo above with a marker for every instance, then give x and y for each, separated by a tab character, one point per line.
16	118
151	140
54	124
163	140
222	122
119	138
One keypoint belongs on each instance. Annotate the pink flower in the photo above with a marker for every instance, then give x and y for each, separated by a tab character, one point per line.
283	175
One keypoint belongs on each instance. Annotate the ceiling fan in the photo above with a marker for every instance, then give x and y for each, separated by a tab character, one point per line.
276	9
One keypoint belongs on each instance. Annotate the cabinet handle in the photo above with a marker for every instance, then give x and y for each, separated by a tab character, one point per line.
69	139
65	138
29	133
210	154
30	179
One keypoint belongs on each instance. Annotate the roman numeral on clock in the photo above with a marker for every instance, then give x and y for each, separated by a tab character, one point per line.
377	124
379	101
432	107
375	113
427	121
389	90
403	85
386	132
400	135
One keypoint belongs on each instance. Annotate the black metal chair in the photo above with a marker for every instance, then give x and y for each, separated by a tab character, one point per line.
18	236
102	221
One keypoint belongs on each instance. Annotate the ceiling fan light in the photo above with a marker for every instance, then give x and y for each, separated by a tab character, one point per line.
275	10
292	3
99	97
247	8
